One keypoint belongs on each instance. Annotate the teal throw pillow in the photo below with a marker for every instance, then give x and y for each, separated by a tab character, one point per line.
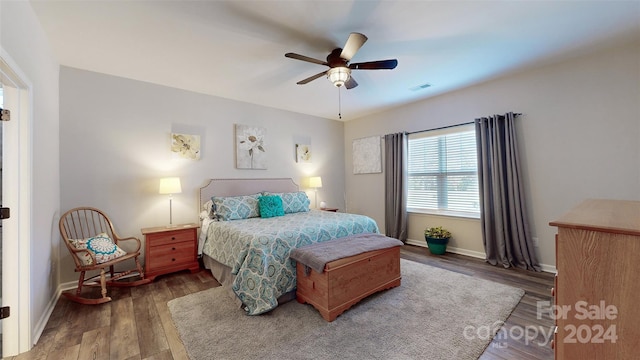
270	206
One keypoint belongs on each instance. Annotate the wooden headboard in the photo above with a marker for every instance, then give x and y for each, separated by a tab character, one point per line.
236	187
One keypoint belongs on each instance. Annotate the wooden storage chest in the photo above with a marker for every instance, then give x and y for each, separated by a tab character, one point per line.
346	281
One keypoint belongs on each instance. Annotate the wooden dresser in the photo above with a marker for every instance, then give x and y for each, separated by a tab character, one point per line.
170	249
597	290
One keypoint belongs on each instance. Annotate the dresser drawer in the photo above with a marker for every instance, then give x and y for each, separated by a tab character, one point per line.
171	254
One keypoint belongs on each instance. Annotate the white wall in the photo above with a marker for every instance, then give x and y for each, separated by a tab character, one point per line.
25	42
579	138
115	146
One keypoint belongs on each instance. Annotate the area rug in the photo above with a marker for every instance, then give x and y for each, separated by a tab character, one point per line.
434	314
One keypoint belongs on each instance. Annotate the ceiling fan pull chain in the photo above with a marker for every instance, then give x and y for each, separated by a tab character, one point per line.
339	104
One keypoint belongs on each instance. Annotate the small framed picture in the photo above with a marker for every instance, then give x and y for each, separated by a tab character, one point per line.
303	153
185	146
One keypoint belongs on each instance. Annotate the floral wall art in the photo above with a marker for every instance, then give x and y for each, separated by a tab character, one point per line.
251	152
303	153
186	146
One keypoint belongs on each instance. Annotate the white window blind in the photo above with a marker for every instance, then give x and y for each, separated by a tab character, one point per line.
443	172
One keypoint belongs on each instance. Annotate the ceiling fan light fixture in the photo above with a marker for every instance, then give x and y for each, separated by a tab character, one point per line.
339	75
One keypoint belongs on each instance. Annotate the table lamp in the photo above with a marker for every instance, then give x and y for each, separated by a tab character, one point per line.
315	182
170	185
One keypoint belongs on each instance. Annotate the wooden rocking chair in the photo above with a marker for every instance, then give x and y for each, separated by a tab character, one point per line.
86	232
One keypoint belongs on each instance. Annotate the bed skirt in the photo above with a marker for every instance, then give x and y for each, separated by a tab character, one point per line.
223	274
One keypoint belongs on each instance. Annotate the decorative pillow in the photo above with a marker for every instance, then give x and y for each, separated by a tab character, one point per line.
101	246
293	202
270	206
208	210
236	207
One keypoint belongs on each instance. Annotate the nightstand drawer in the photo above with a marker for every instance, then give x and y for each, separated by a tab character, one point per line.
170	237
171	255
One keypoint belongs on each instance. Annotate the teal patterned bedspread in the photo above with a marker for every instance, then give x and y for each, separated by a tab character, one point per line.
257	250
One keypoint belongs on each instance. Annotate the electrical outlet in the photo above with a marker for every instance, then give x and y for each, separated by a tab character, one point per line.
536	243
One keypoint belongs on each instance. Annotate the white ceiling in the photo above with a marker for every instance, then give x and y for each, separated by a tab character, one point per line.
235	49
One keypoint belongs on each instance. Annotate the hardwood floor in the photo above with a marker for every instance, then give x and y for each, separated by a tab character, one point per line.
137	323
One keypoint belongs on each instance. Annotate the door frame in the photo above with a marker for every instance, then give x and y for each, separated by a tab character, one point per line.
16	237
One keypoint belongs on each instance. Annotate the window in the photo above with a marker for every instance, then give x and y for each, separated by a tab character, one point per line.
443	172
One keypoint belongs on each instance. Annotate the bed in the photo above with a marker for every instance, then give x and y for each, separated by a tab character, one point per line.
250	255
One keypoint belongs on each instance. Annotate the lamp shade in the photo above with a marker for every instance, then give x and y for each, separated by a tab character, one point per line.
315	182
170	185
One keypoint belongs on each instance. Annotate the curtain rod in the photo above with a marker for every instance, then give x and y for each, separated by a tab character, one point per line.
449	126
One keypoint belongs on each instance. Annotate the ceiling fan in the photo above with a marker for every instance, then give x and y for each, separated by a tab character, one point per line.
339	72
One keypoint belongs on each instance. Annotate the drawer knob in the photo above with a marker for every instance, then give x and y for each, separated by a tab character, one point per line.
173	238
173	259
173	248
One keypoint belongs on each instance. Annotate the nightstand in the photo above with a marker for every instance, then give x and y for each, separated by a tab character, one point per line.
170	249
329	209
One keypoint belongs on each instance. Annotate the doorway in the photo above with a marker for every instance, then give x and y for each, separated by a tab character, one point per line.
1	107
16	230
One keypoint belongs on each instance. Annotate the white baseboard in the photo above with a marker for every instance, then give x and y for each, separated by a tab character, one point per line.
42	322
451	249
548	268
474	254
67	286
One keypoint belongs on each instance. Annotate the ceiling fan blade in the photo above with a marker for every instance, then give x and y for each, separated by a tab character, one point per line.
305	58
353	44
375	65
351	83
311	78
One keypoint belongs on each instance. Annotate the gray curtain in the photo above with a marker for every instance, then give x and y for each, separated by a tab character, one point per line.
505	230
395	204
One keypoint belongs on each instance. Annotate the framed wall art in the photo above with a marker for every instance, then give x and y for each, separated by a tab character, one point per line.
303	153
185	146
251	151
367	155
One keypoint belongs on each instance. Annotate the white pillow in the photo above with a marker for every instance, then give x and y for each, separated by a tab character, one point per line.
208	208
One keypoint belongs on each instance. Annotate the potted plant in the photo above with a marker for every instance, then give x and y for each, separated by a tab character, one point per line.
437	239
